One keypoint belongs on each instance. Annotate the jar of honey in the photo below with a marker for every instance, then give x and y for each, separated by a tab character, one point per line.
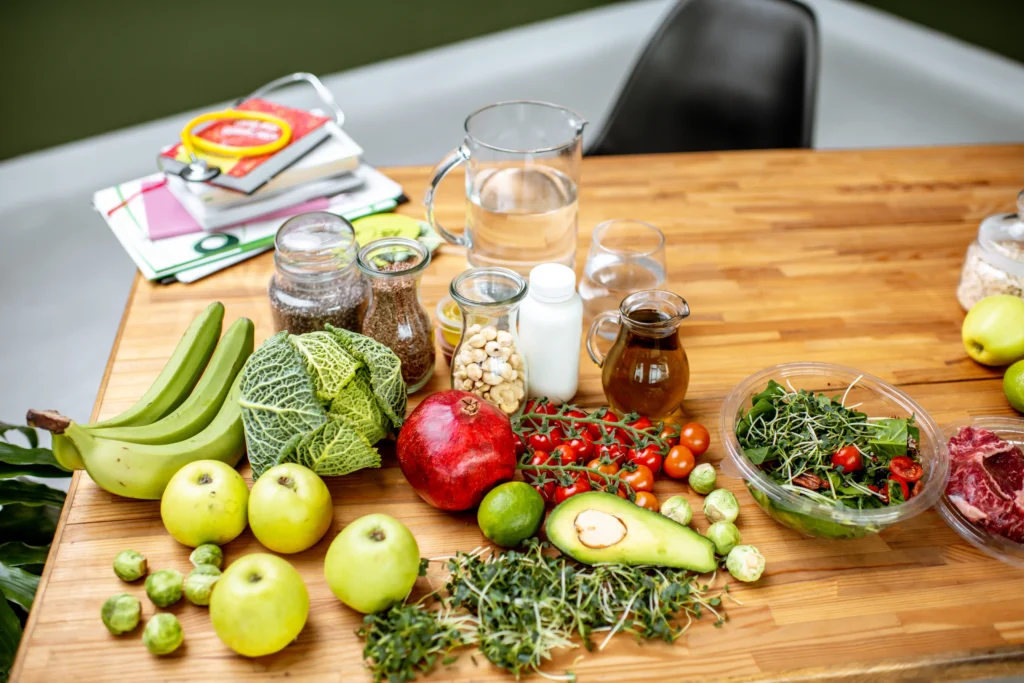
646	370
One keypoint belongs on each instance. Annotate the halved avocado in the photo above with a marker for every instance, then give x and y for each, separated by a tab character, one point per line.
599	527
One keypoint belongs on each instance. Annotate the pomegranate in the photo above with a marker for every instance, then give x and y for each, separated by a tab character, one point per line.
454	448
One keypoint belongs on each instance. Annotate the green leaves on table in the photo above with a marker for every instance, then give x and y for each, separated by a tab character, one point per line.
19	461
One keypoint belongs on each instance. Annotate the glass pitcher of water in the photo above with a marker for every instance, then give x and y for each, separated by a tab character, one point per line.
522	170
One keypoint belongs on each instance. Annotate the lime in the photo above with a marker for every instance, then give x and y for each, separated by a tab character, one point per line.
511	513
1013	385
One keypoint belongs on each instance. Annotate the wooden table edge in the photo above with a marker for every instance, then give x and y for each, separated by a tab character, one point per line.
51	558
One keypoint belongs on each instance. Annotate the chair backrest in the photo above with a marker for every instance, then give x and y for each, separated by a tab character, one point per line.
720	75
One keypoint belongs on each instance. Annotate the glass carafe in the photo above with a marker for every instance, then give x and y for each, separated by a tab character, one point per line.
487	361
394	314
646	370
522	171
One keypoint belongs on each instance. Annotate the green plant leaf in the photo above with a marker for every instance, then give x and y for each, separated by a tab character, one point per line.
32	524
18	554
13	454
18	585
13	491
10	636
335	449
329	365
385	371
28	432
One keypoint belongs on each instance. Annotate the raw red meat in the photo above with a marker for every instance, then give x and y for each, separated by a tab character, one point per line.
987	482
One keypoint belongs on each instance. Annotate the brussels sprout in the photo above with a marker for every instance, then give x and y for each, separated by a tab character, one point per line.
162	634
724	535
678	509
207	553
130	565
199	584
745	563
702	478
721	506
164	587
120	613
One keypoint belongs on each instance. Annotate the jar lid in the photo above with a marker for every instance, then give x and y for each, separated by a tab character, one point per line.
1008	429
315	243
1001	236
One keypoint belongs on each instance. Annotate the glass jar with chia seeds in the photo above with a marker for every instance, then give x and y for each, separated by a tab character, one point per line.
995	260
394	313
316	280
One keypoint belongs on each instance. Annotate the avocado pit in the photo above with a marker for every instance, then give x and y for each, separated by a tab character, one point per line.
597	529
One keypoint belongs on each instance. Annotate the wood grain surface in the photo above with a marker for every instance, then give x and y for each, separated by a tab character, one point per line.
849	257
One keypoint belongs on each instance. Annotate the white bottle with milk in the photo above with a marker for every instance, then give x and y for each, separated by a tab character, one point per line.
550	330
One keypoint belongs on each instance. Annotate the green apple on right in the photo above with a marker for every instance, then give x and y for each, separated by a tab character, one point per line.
1013	385
993	331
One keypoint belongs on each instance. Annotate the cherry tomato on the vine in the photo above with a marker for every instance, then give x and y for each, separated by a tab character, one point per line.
649	456
648	500
593	429
546	490
544	441
600	465
639	479
670	434
905	468
520	445
578	485
695	437
565	455
848	459
642	423
679	462
614	433
613	451
534	405
539	458
582	444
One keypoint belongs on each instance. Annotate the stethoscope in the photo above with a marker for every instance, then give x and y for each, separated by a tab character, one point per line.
198	171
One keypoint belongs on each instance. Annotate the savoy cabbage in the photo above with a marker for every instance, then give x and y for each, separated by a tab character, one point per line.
320	399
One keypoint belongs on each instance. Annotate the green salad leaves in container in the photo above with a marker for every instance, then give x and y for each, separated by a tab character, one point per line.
321	399
832	452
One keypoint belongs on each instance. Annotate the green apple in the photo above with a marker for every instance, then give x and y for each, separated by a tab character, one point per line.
290	508
205	502
259	605
993	330
1013	385
373	563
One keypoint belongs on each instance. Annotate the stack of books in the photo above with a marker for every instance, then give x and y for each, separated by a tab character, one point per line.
180	231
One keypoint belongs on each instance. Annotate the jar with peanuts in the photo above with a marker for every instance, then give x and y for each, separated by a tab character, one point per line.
487	361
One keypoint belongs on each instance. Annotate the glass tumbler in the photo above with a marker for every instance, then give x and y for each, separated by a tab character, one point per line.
626	256
395	315
487	361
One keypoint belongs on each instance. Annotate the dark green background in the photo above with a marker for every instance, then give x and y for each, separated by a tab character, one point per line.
77	68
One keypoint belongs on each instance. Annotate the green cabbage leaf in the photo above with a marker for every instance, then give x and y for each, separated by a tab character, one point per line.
309	399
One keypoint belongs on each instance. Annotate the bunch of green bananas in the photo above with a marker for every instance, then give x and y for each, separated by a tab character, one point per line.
186	415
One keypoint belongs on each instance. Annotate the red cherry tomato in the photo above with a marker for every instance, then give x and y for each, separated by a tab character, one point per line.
679	462
534	405
601	465
647	500
544	441
649	456
520	445
613	451
593	429
670	434
539	458
902	483
582	444
639	479
613	433
578	485
905	468
642	423
565	455
695	437
546	491
847	459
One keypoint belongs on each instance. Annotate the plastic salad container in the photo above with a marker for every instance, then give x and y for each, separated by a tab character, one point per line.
1008	429
876	398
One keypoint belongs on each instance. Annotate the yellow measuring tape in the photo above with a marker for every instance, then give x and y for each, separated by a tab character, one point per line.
192	143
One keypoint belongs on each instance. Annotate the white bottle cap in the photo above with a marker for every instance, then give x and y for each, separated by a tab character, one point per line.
552	283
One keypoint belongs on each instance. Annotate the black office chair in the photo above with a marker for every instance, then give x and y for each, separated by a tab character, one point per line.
720	75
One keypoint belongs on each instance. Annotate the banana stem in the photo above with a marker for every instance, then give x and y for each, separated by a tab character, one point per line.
50	420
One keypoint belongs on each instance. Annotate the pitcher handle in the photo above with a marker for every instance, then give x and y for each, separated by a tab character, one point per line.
595	327
457	156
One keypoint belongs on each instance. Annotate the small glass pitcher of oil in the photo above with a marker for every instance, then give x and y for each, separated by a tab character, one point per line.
646	370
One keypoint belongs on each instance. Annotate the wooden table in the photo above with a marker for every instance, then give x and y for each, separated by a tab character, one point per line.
846	257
